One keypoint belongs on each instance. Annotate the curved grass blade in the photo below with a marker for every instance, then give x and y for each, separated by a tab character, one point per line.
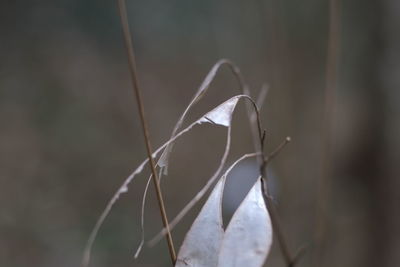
221	115
142	217
163	161
124	187
199	194
227	107
103	216
248	237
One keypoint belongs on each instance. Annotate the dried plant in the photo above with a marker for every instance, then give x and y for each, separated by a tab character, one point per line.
248	238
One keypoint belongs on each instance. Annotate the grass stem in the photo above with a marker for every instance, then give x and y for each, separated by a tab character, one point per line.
135	83
323	192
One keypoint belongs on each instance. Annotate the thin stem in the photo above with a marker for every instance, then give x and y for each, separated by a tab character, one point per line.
263	171
323	192
276	223
259	145
135	83
258	120
244	89
274	153
271	208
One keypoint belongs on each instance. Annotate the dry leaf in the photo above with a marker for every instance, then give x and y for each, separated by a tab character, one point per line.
222	115
248	237
225	110
202	242
163	161
246	241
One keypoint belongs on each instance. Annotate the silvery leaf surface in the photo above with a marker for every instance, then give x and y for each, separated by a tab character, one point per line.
221	115
248	237
202	242
163	161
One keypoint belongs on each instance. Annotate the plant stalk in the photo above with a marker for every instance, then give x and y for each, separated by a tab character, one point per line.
135	83
277	226
323	189
276	223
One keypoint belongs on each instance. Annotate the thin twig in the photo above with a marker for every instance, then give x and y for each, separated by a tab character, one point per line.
263	171
274	153
135	83
276	223
271	208
323	193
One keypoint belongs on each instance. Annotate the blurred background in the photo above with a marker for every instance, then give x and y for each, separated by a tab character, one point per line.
70	133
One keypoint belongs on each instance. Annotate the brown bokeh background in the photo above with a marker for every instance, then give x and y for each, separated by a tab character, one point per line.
70	133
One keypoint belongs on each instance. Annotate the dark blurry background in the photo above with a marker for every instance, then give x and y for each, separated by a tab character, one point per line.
70	133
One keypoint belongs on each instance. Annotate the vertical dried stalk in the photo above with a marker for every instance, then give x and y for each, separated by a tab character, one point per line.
135	83
323	192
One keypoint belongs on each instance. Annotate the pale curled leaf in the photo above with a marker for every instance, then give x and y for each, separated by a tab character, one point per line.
227	109
124	187
202	242
222	115
248	237
163	161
